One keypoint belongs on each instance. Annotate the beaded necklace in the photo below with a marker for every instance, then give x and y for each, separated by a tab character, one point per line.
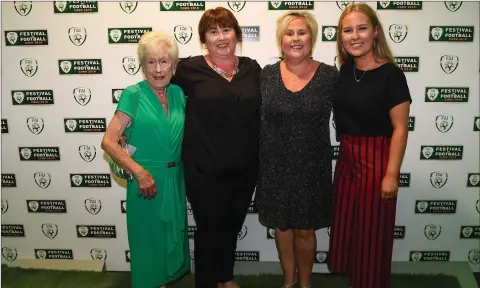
225	73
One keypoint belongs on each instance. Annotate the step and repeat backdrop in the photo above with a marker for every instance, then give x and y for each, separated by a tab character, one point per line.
65	65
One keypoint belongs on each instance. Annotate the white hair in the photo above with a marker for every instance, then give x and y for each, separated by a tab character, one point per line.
154	42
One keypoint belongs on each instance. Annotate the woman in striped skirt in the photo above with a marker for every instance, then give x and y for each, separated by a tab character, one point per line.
371	110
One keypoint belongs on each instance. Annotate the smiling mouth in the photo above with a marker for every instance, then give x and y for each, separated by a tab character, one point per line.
356	45
158	77
296	46
223	45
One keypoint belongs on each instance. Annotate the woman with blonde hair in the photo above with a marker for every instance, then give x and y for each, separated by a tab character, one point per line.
295	187
151	113
371	108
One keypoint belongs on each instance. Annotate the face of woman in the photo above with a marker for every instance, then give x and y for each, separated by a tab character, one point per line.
357	34
297	40
159	69
221	42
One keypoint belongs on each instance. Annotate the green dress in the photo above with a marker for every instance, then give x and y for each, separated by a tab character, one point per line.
157	228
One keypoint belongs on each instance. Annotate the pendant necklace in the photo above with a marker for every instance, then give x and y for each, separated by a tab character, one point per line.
355	76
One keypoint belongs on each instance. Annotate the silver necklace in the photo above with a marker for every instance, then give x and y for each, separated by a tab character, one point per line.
225	73
355	76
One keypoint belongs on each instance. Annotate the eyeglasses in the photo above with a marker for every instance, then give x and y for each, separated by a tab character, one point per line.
164	64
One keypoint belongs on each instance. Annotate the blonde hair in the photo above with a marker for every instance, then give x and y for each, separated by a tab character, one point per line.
381	50
154	42
284	20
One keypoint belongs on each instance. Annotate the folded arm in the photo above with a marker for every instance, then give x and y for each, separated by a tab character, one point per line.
110	145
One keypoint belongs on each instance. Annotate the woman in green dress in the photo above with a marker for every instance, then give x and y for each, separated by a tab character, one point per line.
151	112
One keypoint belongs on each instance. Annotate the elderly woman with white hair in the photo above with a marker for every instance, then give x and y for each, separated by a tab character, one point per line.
151	112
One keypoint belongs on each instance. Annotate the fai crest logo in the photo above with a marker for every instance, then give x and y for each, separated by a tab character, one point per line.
422	206
183	34
116	94
436	33
71	124
444	123
131	65
87	152
23	7
427	152
478	205
271	233
335	62
438	179
329	33
449	63
398	32
416	256
128	6
19	96
66	66
474	179
453	6
384	4
82	95
29	66
10	254
82	230
344	4
77	179
93	206
26	153
236	6
167	4
276	4
35	125
433	231
467	231
33	205
12	37
474	256
98	254
42	179
4	206
321	257
116	34
189	208
124	206
77	35
41	254
243	233
432	94
61	5
50	230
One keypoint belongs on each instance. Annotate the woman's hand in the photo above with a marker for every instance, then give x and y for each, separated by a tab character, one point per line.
389	187
146	184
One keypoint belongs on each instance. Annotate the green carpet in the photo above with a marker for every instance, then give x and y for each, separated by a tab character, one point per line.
22	278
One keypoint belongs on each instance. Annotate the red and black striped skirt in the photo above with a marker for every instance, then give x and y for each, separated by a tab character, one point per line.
361	236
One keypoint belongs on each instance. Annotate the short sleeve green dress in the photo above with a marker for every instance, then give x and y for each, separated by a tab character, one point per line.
157	228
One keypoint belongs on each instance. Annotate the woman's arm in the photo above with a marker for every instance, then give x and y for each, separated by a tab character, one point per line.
399	118
110	145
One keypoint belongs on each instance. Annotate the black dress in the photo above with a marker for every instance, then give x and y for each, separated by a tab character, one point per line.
295	179
220	156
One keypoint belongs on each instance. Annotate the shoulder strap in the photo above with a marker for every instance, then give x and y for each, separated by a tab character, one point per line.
135	115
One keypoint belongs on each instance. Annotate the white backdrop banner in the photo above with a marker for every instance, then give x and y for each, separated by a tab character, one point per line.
65	65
